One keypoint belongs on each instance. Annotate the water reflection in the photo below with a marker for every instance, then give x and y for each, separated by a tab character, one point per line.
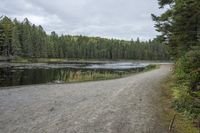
14	75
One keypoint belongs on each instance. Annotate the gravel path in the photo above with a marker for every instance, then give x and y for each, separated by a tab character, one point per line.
126	105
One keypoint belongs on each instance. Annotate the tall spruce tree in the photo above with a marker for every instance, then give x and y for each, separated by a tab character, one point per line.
16	44
7	26
179	25
2	38
27	45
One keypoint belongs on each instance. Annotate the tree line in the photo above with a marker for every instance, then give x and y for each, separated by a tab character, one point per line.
28	40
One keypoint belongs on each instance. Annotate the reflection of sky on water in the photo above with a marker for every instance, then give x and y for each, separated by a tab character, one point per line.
117	65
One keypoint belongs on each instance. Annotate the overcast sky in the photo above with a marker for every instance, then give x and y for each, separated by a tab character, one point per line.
123	19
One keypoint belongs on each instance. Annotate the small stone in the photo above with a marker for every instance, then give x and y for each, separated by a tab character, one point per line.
52	109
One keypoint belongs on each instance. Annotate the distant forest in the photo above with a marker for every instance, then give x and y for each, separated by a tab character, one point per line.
24	39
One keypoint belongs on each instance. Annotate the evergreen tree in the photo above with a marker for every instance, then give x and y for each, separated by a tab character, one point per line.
7	26
179	25
16	44
27	46
2	38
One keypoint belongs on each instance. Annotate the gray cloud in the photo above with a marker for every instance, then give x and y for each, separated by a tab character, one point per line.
124	19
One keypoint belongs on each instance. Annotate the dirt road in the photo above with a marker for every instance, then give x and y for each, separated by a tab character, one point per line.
126	105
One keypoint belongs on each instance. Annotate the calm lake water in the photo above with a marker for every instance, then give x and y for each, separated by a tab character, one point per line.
26	74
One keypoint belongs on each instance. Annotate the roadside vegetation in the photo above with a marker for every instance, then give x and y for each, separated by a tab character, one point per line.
182	124
180	28
187	87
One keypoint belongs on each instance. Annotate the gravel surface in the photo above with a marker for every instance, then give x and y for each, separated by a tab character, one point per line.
126	105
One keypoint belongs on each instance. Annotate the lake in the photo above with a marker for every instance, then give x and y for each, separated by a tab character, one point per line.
15	74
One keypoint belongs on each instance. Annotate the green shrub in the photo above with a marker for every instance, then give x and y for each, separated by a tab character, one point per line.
186	89
188	68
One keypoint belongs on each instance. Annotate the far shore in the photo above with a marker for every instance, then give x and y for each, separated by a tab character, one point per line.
64	60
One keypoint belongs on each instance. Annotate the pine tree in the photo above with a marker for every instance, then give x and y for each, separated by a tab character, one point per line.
7	26
16	45
2	38
179	25
27	46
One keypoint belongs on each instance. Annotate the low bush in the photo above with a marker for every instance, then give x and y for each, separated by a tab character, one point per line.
187	87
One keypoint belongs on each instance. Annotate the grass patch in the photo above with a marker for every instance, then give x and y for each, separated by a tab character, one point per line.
81	76
36	60
90	76
182	124
20	60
